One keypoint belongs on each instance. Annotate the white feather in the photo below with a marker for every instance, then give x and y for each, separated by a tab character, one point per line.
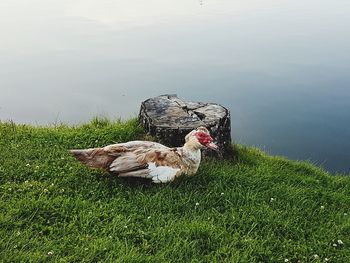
162	174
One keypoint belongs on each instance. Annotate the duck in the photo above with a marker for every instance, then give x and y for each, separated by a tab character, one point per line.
150	160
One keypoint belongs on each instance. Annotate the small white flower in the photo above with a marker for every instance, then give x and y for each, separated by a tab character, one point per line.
52	184
149	217
15	246
345	214
322	206
46	190
197	204
26	181
326	259
272	199
316	256
125	226
27	164
340	242
286	260
335	245
62	158
50	253
222	193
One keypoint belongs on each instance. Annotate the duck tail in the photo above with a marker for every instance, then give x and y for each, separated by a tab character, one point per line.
94	157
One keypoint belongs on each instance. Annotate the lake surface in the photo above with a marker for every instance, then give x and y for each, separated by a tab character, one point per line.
281	67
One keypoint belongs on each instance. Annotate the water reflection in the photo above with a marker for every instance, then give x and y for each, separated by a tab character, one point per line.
281	67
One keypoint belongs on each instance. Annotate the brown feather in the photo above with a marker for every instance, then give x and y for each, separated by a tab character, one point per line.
95	157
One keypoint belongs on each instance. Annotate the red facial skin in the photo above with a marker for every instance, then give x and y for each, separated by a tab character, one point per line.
203	138
206	140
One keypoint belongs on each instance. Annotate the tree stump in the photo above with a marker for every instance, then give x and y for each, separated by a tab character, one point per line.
169	119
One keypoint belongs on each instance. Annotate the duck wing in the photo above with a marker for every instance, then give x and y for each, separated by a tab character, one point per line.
135	159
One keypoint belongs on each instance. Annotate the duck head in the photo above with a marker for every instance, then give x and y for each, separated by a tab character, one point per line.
200	138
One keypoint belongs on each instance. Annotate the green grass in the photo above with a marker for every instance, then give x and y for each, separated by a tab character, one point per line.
55	209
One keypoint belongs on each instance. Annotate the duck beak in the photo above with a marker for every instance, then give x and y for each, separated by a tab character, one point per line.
212	146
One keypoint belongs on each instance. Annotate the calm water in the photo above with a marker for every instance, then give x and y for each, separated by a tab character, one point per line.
281	67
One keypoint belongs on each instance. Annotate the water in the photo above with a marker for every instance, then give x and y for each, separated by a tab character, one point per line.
281	67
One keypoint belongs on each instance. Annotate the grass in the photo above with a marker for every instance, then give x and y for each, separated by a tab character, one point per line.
257	208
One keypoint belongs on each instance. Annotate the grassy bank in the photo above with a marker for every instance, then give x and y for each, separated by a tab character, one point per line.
256	209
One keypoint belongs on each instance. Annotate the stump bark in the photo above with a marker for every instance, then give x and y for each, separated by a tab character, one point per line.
169	119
